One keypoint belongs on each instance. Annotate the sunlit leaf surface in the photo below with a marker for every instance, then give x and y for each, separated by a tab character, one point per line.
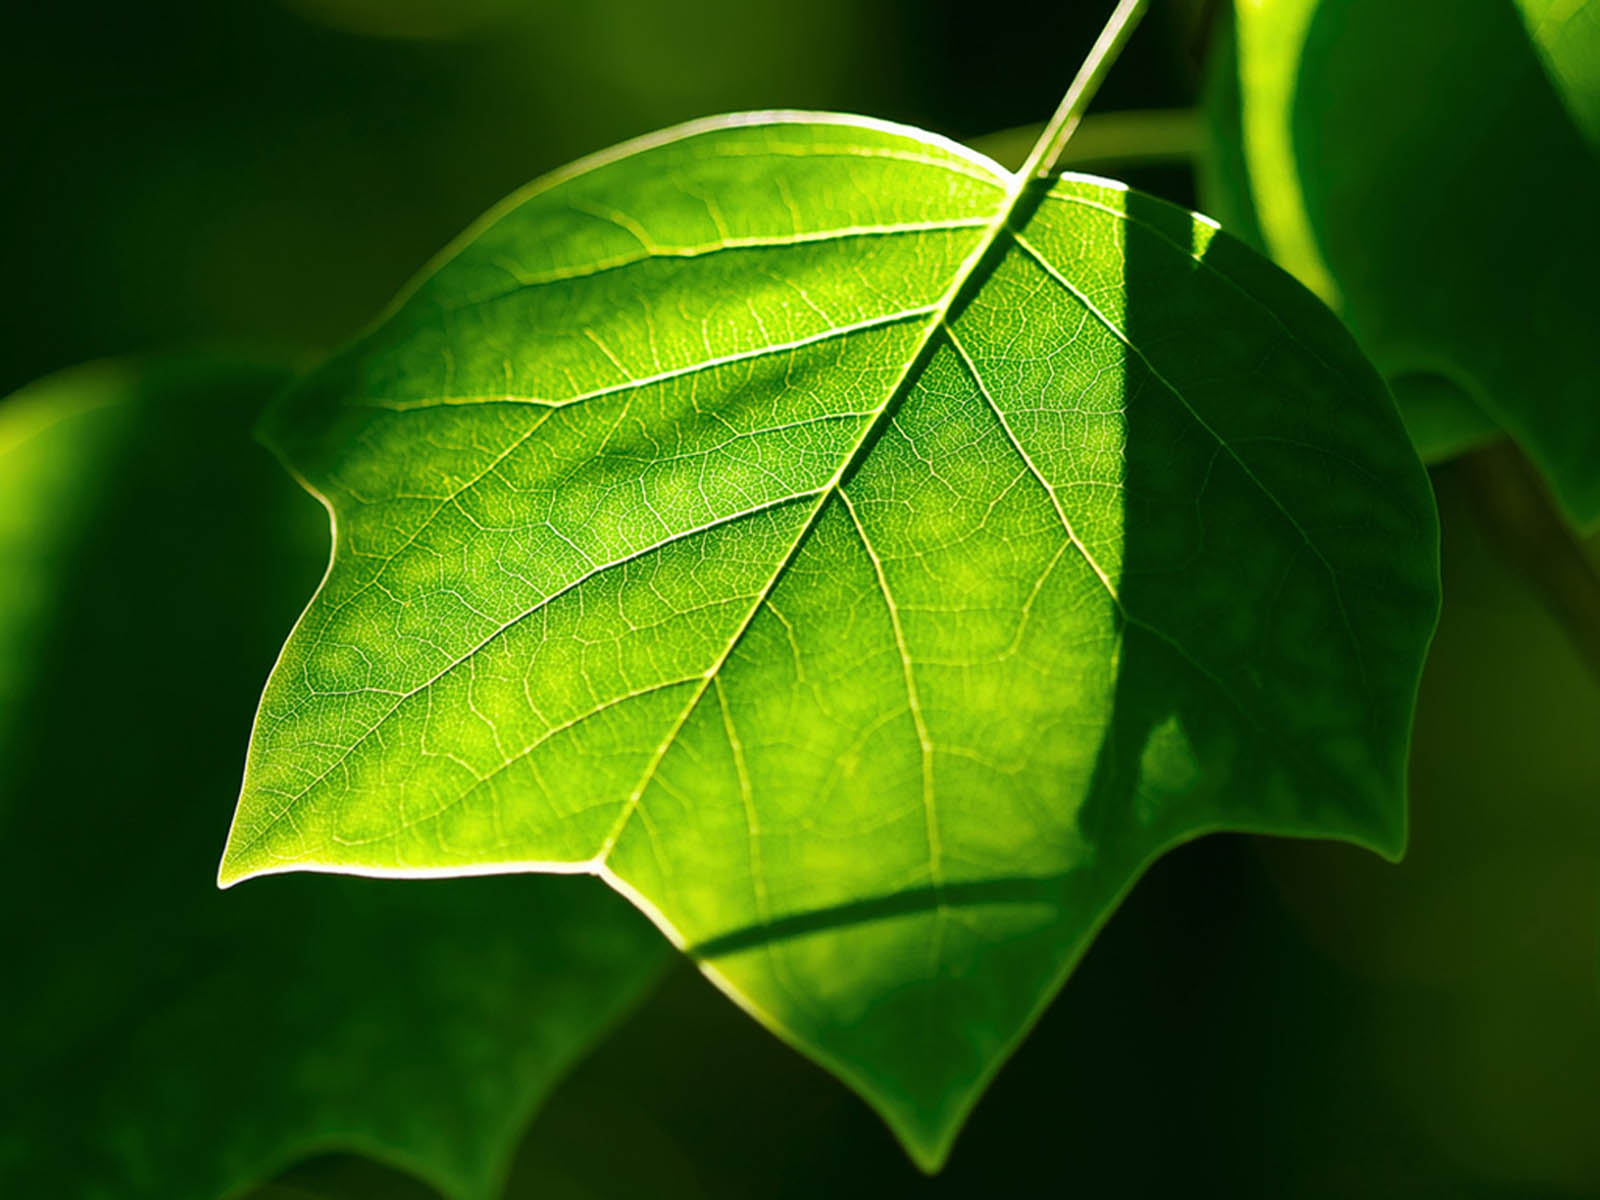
163	1039
865	563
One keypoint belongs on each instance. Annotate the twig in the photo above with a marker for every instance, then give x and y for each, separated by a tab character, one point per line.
1059	129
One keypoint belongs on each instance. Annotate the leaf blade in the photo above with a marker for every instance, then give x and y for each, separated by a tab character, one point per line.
883	695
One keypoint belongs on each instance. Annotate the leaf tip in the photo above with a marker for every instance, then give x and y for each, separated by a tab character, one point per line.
231	870
928	1134
1390	844
1385	833
930	1157
927	1139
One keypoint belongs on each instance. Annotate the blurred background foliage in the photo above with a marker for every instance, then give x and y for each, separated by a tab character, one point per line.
275	169
1261	1018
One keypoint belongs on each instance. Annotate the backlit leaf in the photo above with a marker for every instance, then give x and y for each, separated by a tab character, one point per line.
865	563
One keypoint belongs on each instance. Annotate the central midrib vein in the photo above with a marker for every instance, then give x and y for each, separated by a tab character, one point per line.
1016	190
1040	161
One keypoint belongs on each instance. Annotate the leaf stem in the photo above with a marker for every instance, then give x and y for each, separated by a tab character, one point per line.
1118	29
1521	522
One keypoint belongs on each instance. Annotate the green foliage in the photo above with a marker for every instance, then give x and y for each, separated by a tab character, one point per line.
166	1040
1566	34
1435	178
1442	421
866	563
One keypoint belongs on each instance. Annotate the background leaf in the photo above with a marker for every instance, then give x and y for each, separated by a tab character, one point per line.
164	1039
1566	33
1440	416
1432	180
697	529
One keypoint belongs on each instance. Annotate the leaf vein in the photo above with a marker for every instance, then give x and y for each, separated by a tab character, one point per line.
653	251
628	385
1227	447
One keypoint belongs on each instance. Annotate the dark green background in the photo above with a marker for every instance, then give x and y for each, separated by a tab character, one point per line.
1260	1019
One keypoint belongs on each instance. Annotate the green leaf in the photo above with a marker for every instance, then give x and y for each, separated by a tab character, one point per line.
1566	34
864	563
1435	179
163	1039
1440	416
